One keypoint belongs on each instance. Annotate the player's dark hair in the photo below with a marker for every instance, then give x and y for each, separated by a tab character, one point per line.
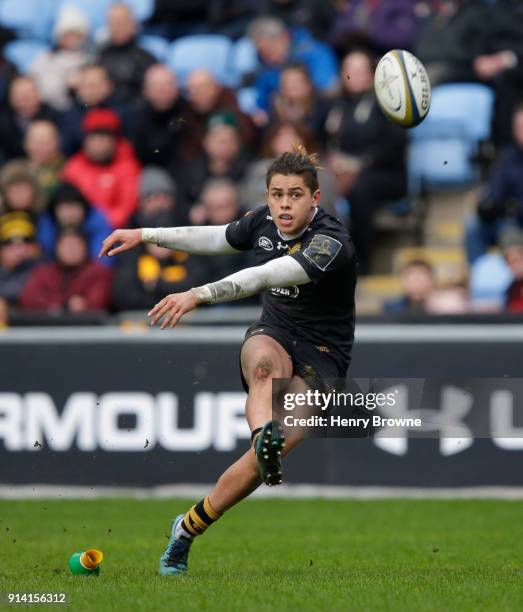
297	162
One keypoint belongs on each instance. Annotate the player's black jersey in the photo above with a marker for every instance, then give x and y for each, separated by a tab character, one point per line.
321	311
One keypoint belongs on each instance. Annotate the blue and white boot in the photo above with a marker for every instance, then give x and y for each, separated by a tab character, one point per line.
174	559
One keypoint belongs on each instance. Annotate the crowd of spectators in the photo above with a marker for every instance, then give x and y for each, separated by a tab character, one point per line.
97	135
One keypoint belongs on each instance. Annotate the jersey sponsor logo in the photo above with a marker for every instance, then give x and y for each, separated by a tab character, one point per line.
290	292
265	243
322	250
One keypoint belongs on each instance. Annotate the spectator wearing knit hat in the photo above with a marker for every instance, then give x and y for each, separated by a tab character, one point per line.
72	283
19	188
106	170
69	209
56	71
158	196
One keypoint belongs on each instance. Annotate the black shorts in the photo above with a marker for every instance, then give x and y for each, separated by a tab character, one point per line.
313	363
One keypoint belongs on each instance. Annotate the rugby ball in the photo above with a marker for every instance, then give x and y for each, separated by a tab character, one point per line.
402	88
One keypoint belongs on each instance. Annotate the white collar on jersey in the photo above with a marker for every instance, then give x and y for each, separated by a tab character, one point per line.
293	236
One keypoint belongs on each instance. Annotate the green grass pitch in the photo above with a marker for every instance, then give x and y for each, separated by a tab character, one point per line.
273	555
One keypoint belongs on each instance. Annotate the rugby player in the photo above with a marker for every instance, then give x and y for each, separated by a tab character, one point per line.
307	273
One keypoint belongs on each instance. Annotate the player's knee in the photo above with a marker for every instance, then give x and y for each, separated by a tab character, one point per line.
263	369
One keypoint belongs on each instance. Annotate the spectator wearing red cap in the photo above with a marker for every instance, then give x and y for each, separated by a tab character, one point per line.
106	170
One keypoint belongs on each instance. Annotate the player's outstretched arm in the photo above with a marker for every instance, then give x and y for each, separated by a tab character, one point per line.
282	272
201	240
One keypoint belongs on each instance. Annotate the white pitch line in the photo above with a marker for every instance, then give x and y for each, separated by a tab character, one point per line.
13	492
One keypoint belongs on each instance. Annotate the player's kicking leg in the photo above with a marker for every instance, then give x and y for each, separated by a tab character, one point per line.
262	359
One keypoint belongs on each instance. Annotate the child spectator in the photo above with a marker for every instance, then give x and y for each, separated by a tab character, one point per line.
124	60
56	71
69	209
418	281
106	170
159	125
73	282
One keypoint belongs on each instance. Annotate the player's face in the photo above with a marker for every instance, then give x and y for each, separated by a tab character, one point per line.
291	203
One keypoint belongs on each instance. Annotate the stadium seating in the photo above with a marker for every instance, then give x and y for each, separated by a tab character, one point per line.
157	46
23	52
490	277
29	18
444	145
244	60
247	100
210	51
95	10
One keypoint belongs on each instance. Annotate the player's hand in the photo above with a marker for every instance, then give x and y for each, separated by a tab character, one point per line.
172	308
126	238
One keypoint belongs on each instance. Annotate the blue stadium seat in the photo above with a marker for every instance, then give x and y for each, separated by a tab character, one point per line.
29	18
247	100
210	51
157	46
465	107
244	59
23	52
490	278
94	10
440	163
142	9
443	146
